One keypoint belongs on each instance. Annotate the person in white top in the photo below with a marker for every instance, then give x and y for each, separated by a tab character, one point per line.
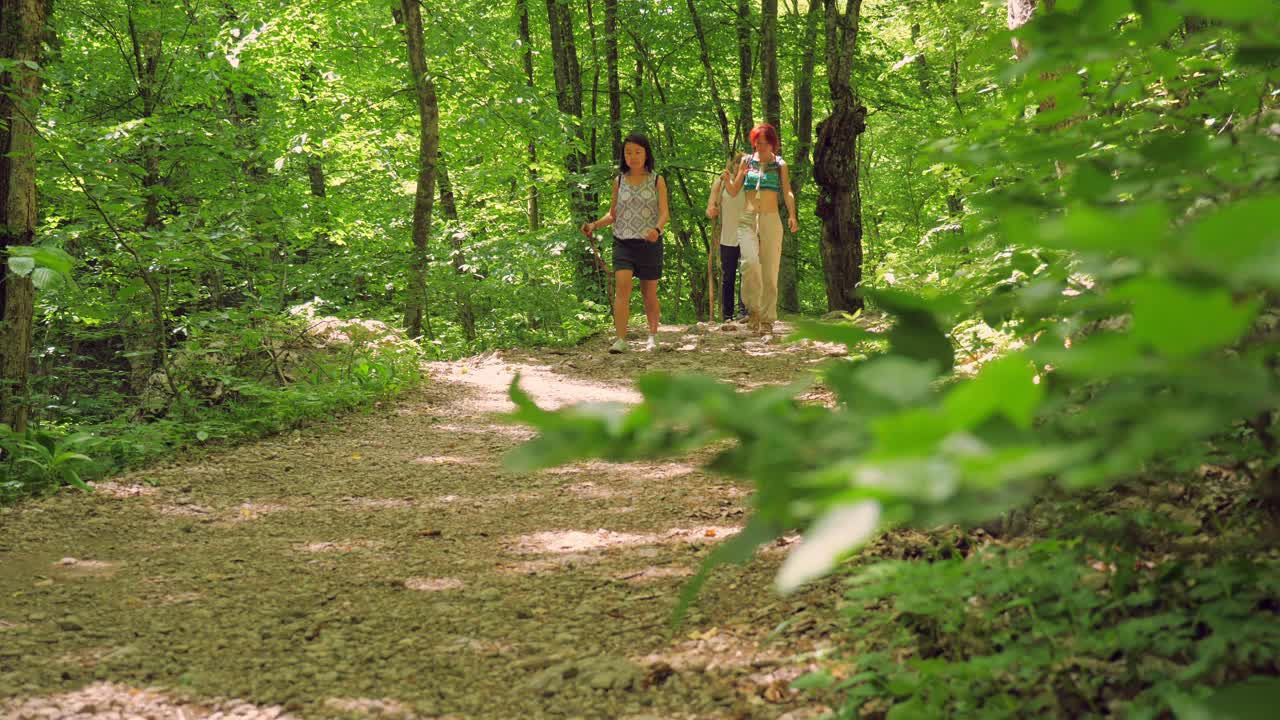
729	209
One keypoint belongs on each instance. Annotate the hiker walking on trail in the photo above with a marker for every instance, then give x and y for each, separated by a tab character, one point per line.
638	213
763	176
729	209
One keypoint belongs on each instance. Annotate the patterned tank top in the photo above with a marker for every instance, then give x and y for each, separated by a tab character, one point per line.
767	178
637	208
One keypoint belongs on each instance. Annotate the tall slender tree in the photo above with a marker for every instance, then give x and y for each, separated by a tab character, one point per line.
428	152
801	166
745	73
569	99
611	60
22	25
705	54
526	42
836	162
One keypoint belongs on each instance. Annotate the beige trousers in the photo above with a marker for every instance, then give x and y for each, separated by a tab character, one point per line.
760	237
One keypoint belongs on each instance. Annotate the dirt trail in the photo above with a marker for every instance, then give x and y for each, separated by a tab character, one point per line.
388	566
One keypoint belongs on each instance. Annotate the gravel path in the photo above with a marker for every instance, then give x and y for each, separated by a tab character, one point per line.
387	566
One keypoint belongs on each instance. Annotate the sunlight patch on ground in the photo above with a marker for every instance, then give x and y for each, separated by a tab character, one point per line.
576	541
433	584
631	470
512	431
447	460
113	489
590	491
370	706
481	646
492	375
74	566
252	511
105	699
713	650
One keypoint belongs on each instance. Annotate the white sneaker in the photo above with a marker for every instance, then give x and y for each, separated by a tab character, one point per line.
618	346
651	344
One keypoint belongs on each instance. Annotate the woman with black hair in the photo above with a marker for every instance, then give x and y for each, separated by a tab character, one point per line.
638	213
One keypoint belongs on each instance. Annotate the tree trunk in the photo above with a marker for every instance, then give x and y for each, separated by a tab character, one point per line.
428	150
836	163
456	235
717	105
582	205
745	119
789	294
22	24
535	215
615	94
769	64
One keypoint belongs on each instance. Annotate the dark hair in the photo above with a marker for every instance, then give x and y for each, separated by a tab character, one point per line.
642	141
768	132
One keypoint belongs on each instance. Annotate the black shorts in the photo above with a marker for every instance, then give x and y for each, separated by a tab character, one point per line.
641	257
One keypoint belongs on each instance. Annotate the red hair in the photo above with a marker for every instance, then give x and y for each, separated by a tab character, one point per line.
768	132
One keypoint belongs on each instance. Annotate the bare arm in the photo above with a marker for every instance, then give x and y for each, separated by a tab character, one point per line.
789	197
664	213
607	219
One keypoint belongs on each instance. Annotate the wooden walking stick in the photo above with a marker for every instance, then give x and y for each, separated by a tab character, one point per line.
608	276
712	247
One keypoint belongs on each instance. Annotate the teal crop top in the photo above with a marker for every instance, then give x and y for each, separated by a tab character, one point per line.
770	178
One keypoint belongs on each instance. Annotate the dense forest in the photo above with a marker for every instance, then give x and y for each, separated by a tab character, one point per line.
1047	233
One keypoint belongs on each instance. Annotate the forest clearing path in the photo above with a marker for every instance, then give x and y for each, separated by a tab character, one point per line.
387	565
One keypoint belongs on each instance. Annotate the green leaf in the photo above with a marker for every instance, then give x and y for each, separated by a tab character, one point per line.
902	380
846	334
1181	321
1009	386
1089	229
44	278
816	680
1241	241
22	266
1237	10
835	533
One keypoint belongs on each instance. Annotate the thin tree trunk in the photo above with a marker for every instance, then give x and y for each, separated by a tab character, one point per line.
428	151
456	235
147	48
769	63
535	215
582	205
615	94
836	163
716	103
595	82
22	24
745	74
801	166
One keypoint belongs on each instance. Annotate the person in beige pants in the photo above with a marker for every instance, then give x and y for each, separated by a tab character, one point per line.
763	175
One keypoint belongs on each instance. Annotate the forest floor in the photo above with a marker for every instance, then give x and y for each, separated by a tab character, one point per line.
387	565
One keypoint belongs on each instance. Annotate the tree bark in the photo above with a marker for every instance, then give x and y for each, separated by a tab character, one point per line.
615	94
582	205
428	151
801	166
22	24
535	214
717	105
836	163
457	236
769	64
745	119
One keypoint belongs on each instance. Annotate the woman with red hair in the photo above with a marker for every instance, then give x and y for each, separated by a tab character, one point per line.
764	176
